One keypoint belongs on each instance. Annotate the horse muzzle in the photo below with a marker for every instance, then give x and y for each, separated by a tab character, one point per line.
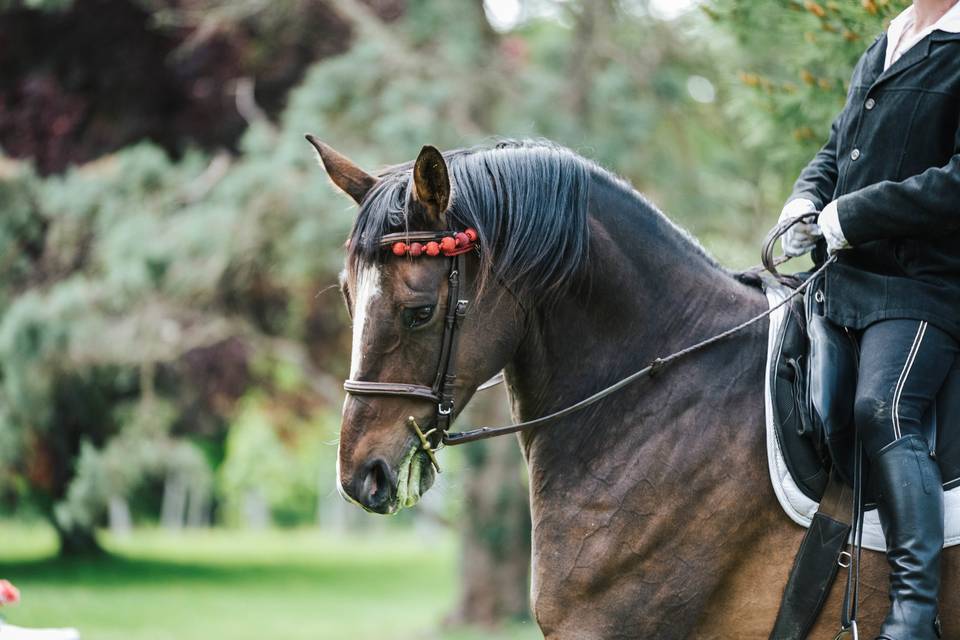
379	488
374	487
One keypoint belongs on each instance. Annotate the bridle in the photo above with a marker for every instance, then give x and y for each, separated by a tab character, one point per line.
454	246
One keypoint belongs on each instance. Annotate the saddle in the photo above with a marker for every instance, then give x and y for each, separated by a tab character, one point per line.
813	379
811	387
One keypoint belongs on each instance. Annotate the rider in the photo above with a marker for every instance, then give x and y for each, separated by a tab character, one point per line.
887	186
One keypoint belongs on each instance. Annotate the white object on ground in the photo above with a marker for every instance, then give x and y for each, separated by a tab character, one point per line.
10	632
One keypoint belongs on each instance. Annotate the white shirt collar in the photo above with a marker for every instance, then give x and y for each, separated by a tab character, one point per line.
949	22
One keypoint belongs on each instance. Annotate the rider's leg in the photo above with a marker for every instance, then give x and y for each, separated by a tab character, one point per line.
903	364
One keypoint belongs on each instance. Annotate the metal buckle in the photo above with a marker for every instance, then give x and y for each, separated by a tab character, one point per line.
849	559
850	633
444	411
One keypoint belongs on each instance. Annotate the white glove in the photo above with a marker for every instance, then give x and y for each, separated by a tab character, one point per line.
829	222
802	237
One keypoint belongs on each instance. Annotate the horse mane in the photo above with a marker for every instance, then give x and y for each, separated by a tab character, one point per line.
528	201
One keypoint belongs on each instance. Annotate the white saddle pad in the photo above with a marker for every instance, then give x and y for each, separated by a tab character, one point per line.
799	507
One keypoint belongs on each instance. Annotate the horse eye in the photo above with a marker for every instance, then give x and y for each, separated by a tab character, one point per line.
414	317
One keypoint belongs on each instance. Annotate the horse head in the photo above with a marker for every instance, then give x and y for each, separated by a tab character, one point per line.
399	298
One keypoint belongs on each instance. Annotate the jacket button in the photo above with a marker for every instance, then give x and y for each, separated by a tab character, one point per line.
855	154
870	104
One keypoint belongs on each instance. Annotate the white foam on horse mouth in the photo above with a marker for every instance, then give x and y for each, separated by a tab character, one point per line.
408	479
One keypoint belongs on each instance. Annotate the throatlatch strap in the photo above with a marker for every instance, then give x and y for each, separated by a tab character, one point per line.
816	564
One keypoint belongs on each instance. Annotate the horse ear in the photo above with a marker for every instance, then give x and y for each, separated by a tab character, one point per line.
351	179
431	181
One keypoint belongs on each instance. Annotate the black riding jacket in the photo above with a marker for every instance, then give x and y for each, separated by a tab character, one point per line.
892	162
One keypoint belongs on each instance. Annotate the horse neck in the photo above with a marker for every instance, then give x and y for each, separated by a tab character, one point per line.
665	468
648	292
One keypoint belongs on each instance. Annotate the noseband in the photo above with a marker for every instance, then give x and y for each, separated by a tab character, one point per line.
453	246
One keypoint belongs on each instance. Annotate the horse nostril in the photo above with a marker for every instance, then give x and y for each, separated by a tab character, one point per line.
376	489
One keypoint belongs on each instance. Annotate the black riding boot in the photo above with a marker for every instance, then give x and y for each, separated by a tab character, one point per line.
910	505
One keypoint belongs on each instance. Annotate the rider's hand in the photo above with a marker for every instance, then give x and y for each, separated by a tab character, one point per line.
829	222
801	237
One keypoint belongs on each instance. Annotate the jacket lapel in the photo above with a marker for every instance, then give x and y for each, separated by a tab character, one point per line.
944	36
917	54
873	65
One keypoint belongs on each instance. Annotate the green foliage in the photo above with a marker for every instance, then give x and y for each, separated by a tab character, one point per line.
21	230
796	65
124	267
144	449
277	458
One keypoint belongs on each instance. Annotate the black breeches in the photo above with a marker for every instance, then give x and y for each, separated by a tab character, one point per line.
903	364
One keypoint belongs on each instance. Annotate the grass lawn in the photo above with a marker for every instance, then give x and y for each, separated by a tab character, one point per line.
212	585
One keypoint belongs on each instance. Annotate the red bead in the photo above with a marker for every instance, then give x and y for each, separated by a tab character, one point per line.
416	249
448	244
433	249
462	239
399	248
472	234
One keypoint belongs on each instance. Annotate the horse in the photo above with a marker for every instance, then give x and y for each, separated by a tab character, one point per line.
653	513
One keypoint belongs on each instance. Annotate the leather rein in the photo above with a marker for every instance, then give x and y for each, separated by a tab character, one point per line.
453	246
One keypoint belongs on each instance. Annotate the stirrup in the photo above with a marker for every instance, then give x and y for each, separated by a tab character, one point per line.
849	633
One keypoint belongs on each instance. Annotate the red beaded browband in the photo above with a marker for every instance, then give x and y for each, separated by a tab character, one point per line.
417	243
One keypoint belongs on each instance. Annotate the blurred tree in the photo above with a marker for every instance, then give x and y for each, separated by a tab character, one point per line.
134	286
794	68
275	450
82	78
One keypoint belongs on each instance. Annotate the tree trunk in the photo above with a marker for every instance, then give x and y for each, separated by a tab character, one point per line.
76	542
198	505
256	511
174	506
495	536
591	25
118	515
